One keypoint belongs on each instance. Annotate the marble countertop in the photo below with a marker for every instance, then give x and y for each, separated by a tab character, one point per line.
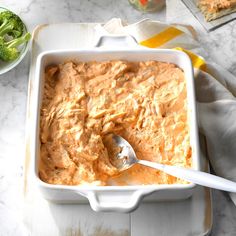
220	45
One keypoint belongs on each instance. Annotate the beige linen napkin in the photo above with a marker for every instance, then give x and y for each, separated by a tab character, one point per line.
215	88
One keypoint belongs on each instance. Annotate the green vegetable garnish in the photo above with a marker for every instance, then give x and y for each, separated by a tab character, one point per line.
8	50
11	24
11	35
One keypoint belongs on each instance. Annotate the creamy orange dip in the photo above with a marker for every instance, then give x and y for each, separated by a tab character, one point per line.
84	103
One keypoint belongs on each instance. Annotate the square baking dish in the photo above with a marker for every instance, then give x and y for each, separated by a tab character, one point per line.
114	198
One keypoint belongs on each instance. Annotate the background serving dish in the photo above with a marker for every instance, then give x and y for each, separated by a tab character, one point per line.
114	198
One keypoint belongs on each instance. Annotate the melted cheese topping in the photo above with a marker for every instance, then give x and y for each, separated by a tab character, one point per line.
214	6
84	103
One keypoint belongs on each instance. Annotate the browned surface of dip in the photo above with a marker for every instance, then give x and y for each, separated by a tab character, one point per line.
84	103
213	9
216	5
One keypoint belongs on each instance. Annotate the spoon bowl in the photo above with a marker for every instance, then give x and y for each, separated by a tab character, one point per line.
126	157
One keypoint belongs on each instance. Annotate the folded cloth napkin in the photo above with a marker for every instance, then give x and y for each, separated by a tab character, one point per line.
215	88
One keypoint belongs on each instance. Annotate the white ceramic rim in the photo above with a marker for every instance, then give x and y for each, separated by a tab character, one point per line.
90	51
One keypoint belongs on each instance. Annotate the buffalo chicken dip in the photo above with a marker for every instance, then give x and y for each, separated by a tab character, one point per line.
84	103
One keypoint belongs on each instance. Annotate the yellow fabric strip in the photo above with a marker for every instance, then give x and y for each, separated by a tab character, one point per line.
198	62
162	37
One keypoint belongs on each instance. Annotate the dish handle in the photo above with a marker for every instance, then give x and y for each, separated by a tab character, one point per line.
119	41
110	40
114	201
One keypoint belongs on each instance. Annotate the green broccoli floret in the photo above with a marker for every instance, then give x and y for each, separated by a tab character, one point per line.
11	24
2	41
8	50
8	54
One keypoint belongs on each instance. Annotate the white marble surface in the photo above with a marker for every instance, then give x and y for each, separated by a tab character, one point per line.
220	45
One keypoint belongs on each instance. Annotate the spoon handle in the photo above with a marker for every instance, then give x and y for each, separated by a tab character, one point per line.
194	176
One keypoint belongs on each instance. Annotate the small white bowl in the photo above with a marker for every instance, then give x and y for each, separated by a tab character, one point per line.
6	66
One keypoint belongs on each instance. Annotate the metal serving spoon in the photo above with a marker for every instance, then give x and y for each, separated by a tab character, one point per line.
127	158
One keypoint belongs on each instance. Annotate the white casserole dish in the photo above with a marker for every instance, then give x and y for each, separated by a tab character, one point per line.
115	198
